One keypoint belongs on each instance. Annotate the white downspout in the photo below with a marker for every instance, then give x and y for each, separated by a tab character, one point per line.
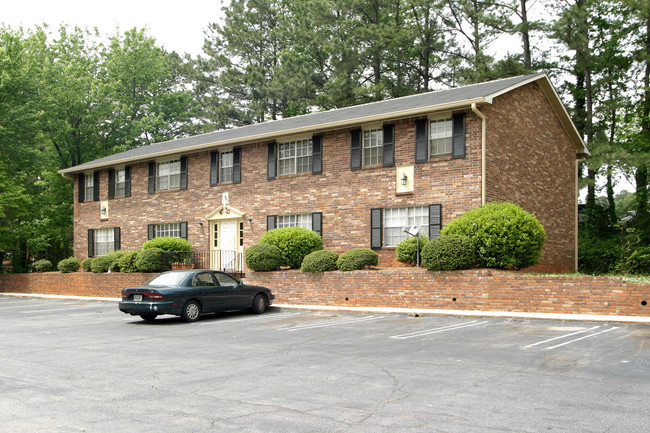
483	137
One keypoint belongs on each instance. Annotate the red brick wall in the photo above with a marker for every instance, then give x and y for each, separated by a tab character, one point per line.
481	289
531	162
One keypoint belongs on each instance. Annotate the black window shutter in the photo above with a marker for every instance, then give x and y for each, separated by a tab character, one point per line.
82	187
214	168
376	228
236	165
184	230
458	136
91	243
111	183
270	162
127	181
421	142
317	154
152	178
355	149
183	172
151	231
270	222
435	220
116	238
96	186
317	223
389	145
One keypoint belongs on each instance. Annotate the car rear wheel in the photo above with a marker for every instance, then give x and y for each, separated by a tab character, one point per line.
148	317
259	304
191	311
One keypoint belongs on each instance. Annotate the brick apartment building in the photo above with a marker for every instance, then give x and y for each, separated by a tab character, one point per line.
355	175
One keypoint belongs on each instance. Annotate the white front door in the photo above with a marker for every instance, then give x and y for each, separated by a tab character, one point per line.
225	235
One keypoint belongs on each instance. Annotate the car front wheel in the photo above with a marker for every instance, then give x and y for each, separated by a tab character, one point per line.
259	304
191	311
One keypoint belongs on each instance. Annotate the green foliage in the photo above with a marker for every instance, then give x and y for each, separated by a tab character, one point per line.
359	258
42	265
263	257
448	253
320	261
406	251
68	265
294	243
638	262
598	255
87	264
168	243
127	262
504	235
151	260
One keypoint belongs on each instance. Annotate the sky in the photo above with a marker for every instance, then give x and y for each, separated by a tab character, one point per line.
177	26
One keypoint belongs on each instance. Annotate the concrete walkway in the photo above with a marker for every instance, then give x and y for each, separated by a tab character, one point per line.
411	311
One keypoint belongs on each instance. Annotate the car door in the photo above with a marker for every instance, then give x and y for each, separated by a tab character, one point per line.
238	295
208	291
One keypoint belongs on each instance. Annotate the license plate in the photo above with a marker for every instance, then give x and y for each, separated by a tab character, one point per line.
137	298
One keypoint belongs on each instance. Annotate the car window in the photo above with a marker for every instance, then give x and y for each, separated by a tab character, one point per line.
203	279
225	279
167	279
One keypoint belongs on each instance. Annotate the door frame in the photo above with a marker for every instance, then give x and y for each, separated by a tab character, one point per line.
220	214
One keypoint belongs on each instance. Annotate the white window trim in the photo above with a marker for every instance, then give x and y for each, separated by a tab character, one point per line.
89	190
167	230
438	117
307	217
424	228
223	167
109	233
310	141
158	177
380	136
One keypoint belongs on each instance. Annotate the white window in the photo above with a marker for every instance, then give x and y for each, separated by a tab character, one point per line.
440	137
104	241
299	220
373	140
225	166
294	157
120	183
395	219
169	229
168	175
89	192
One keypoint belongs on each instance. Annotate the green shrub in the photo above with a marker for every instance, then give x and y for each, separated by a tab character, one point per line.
87	264
598	256
294	244
263	257
638	262
504	235
151	260
357	259
42	265
170	243
406	251
448	253
127	262
68	265
320	261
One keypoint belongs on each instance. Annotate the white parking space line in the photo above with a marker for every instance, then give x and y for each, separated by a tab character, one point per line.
327	323
582	338
221	321
438	330
561	337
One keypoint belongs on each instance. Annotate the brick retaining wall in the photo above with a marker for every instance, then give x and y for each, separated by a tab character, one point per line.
480	289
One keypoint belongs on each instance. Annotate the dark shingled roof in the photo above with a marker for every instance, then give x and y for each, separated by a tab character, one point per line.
315	121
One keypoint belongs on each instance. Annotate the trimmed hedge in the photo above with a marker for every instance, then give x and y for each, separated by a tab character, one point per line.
68	265
504	235
127	262
320	261
87	264
42	265
406	251
109	261
448	253
295	243
168	243
358	258
150	260
263	257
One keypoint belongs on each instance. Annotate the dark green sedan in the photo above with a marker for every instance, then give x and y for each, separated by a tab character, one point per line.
191	293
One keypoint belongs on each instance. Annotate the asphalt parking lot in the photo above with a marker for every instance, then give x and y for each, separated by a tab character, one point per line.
82	366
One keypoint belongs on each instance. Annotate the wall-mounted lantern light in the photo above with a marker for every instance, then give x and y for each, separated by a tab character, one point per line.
404	179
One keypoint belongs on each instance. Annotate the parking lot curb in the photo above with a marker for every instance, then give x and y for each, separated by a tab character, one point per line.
409	311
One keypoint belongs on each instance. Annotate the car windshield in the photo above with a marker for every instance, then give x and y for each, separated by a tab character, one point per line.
167	279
